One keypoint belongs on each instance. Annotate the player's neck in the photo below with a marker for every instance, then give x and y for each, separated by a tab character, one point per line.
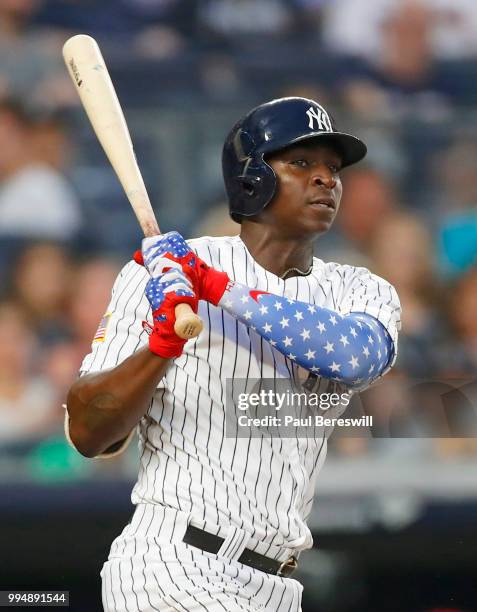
277	254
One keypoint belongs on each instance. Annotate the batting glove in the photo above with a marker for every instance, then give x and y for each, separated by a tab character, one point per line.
165	290
170	250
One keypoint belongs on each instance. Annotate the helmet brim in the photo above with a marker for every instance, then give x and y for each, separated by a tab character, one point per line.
350	148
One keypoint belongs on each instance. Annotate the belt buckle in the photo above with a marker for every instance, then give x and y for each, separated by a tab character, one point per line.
287	567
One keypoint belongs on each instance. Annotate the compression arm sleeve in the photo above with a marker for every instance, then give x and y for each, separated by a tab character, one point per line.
354	349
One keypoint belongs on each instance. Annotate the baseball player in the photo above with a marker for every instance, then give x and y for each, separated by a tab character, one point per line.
220	522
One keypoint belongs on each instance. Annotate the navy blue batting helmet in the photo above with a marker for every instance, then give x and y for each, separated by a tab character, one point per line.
250	181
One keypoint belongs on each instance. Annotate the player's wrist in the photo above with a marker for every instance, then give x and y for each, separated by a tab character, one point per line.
166	346
212	284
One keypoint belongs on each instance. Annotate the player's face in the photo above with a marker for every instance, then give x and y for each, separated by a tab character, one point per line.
309	189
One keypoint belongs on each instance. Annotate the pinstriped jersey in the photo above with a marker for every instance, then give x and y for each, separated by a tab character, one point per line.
264	485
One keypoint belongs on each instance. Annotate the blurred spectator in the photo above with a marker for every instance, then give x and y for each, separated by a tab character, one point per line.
81	15
457	202
405	54
41	286
368	196
402	252
49	140
128	29
454	170
360	27
60	364
458	243
217	222
91	293
31	65
27	410
163	28
392	54
462	314
366	99
158	42
35	199
220	78
235	18
454	23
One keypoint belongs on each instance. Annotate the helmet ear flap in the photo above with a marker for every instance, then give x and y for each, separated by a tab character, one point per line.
257	185
249	185
250	179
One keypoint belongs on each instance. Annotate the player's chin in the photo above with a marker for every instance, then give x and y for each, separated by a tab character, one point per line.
317	224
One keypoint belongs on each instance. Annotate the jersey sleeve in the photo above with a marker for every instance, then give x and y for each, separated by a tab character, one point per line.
120	332
369	293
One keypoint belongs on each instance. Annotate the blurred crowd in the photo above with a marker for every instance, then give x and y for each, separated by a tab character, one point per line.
400	73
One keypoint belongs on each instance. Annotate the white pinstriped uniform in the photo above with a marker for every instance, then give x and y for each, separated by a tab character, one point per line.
254	492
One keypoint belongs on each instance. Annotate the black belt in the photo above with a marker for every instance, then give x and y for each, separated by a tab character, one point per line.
212	543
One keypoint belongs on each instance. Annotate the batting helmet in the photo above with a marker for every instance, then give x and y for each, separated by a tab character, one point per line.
249	180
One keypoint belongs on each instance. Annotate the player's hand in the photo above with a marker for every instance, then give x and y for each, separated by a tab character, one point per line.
167	250
161	253
165	290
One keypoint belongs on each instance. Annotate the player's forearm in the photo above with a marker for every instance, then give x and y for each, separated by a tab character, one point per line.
104	407
354	349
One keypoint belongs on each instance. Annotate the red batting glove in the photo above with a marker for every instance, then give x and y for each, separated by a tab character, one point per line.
164	292
211	283
208	284
163	340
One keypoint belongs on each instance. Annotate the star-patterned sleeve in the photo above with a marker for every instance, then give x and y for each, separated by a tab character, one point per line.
368	293
354	349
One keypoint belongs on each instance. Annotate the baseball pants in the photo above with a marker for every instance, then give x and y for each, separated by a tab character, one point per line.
150	569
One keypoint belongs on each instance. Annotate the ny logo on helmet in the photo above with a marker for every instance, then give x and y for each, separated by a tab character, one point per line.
319	117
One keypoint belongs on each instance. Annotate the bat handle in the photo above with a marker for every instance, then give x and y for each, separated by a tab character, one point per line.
188	324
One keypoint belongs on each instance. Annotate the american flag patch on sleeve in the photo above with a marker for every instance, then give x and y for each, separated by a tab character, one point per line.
100	334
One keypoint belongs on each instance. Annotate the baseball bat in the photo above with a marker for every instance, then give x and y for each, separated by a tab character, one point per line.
90	76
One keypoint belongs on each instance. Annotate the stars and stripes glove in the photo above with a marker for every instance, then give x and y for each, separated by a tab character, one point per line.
159	253
165	291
